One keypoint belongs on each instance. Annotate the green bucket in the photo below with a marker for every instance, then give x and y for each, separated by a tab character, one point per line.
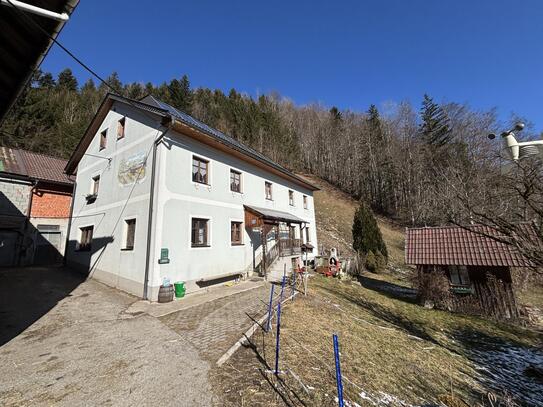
179	289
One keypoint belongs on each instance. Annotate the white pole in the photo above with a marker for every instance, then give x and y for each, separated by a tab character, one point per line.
35	10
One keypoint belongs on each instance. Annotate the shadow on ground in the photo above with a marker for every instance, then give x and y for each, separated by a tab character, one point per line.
391	290
395	320
28	293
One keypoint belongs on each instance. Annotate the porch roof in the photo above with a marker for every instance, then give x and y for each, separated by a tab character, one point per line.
273	215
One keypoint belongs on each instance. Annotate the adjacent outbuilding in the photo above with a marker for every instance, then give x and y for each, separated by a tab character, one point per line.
466	269
35	199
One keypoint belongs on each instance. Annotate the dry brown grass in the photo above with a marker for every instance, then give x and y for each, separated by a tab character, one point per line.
387	345
335	212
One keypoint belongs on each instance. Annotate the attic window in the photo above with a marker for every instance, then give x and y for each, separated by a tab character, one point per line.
120	128
103	139
268	189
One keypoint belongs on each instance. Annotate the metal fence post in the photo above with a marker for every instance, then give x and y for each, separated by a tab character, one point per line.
270	309
282	288
277	339
338	371
294	277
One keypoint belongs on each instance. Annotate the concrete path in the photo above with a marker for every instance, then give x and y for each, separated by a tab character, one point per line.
195	299
69	342
213	327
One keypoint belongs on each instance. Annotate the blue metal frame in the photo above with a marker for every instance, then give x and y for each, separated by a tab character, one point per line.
277	338
338	371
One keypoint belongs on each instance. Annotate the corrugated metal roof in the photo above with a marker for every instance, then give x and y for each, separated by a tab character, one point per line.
33	165
272	214
460	246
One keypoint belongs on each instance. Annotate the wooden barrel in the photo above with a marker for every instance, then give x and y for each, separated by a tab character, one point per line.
165	294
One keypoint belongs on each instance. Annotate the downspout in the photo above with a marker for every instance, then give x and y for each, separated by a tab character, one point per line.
150	218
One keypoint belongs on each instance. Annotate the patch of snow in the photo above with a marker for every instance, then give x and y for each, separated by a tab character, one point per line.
502	367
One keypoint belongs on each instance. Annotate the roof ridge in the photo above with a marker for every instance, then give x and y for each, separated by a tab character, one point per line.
42	154
447	227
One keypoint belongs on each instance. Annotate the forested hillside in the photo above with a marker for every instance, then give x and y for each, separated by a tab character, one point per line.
420	165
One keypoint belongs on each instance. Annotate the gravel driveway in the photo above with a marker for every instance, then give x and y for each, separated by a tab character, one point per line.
69	342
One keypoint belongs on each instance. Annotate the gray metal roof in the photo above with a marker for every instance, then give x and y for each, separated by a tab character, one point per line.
272	214
162	109
224	138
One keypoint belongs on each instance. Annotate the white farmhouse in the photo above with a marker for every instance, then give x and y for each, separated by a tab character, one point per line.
161	195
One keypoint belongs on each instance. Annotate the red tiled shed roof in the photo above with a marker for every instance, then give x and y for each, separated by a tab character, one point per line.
33	165
460	246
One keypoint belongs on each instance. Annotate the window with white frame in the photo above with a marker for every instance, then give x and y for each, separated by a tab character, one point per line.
103	139
235	181
200	232
305	201
85	239
268	188
120	128
95	185
291	197
236	234
130	234
200	170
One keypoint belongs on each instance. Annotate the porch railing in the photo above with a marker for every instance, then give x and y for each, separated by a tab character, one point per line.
271	254
289	247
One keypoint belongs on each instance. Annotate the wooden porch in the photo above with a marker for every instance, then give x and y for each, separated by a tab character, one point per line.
277	232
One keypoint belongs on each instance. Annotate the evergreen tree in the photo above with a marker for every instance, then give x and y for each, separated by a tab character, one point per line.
435	128
46	81
115	84
335	113
88	86
374	124
134	91
66	80
366	233
180	95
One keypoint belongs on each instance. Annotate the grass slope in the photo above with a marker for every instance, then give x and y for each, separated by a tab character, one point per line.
335	210
393	351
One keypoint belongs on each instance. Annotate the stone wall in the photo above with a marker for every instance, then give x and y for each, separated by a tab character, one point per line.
14	198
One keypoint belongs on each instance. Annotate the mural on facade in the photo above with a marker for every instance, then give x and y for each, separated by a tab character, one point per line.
132	169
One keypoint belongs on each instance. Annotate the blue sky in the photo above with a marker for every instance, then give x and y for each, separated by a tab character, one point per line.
348	54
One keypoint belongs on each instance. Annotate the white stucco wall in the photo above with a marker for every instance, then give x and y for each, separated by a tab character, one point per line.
180	199
115	202
177	200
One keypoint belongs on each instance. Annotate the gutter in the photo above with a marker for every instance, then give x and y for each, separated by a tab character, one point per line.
151	204
63	17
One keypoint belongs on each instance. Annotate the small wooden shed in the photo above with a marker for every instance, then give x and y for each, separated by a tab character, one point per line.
477	266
